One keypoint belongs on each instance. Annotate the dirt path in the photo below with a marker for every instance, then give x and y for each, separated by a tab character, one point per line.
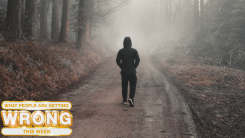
159	112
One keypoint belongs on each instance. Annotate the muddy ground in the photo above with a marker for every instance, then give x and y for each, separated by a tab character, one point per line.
160	110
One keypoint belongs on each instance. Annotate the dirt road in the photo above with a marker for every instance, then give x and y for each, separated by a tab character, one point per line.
160	111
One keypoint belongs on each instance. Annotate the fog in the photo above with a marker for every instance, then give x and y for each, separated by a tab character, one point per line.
150	24
139	22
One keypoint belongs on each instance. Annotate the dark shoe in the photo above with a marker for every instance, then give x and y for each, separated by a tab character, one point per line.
131	102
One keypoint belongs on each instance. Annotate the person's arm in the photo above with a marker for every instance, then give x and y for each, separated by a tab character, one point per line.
118	60
137	59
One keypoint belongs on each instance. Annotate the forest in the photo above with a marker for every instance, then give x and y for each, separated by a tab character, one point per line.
49	47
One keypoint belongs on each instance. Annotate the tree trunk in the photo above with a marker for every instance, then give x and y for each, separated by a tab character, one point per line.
175	33
196	14
89	19
55	20
43	20
86	31
9	12
13	21
196	21
91	25
39	7
22	14
65	22
31	19
81	24
202	19
169	20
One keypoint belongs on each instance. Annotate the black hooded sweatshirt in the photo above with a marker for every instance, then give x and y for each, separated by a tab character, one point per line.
128	58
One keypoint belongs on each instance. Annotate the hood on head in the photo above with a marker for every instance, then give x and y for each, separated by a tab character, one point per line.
127	42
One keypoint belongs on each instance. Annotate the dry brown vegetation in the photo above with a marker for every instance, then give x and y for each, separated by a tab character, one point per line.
32	72
215	95
196	73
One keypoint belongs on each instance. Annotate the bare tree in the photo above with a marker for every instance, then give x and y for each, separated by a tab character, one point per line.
88	20
175	12
196	13
9	12
13	20
169	17
81	25
91	26
55	20
43	20
31	18
202	18
22	13
196	21
65	22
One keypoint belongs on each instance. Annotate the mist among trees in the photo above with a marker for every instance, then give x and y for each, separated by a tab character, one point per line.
48	45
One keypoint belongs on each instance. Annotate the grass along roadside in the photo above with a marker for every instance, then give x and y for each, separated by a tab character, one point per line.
215	94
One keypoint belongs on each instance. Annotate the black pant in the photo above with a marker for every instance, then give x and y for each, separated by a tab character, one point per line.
132	79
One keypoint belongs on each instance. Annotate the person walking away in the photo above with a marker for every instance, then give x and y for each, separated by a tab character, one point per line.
128	60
